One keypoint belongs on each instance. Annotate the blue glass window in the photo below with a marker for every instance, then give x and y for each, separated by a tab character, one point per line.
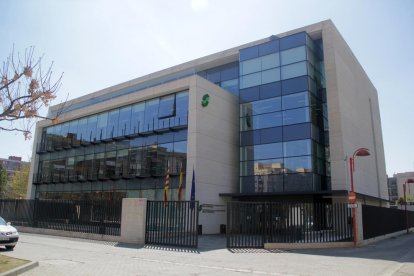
270	61
101	126
271	75
266	151
297	132
73	129
270	90
294	85
261	167
249	53
231	72
261	107
269	47
250	80
297	148
250	66
293	55
124	121
294	70
292	41
83	129
213	76
295	100
137	117
92	125
261	121
231	85
113	122
151	114
296	116
271	135
249	94
167	106
249	138
181	108
300	164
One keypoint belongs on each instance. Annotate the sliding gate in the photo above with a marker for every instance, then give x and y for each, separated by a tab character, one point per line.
172	223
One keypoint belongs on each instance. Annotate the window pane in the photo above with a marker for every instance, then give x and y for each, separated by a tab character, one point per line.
166	106
295	85
298	164
151	114
295	100
271	135
292	41
297	132
294	70
112	128
137	117
83	130
298	182
101	126
92	125
231	85
293	55
297	148
295	116
261	167
250	66
250	80
266	151
260	107
271	75
261	121
181	108
124	121
249	94
269	47
249	53
270	61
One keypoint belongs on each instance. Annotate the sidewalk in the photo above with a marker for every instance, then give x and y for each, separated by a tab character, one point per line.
67	256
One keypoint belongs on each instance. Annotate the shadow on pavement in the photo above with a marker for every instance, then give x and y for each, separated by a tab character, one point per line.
399	249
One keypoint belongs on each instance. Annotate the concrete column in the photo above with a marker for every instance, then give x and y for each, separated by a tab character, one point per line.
134	215
360	227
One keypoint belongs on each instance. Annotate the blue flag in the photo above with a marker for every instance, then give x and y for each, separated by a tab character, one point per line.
192	203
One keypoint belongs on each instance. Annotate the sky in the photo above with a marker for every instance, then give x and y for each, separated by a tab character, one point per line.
100	43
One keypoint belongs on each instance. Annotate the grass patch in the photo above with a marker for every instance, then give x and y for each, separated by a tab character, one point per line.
9	263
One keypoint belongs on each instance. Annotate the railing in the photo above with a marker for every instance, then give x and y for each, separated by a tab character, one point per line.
99	217
378	221
172	223
254	224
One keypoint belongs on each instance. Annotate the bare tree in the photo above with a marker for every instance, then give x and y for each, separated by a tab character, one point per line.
24	89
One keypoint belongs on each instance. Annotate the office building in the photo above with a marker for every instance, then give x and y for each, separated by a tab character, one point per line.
271	120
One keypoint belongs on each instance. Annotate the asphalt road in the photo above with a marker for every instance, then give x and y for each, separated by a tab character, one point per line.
66	256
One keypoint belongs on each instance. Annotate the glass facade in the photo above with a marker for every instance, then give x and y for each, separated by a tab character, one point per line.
124	150
284	145
283	117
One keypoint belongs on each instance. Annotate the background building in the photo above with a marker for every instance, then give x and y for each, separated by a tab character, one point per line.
395	186
12	164
272	120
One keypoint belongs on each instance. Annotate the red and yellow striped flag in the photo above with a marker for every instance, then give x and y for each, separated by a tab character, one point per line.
167	185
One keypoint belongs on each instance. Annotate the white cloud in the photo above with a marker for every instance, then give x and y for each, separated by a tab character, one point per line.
199	5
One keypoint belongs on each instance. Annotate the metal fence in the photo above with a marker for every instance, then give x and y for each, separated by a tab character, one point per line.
99	217
172	223
378	221
251	225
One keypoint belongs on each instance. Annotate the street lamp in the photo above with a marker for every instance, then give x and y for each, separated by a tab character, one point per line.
408	181
352	195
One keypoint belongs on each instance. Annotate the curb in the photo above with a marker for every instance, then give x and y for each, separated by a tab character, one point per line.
21	269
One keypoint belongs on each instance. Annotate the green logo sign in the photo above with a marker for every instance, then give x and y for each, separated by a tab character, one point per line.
205	100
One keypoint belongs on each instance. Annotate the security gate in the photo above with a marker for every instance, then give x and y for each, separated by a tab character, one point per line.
172	223
252	224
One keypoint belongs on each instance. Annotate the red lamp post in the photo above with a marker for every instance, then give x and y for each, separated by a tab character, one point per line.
408	181
352	195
